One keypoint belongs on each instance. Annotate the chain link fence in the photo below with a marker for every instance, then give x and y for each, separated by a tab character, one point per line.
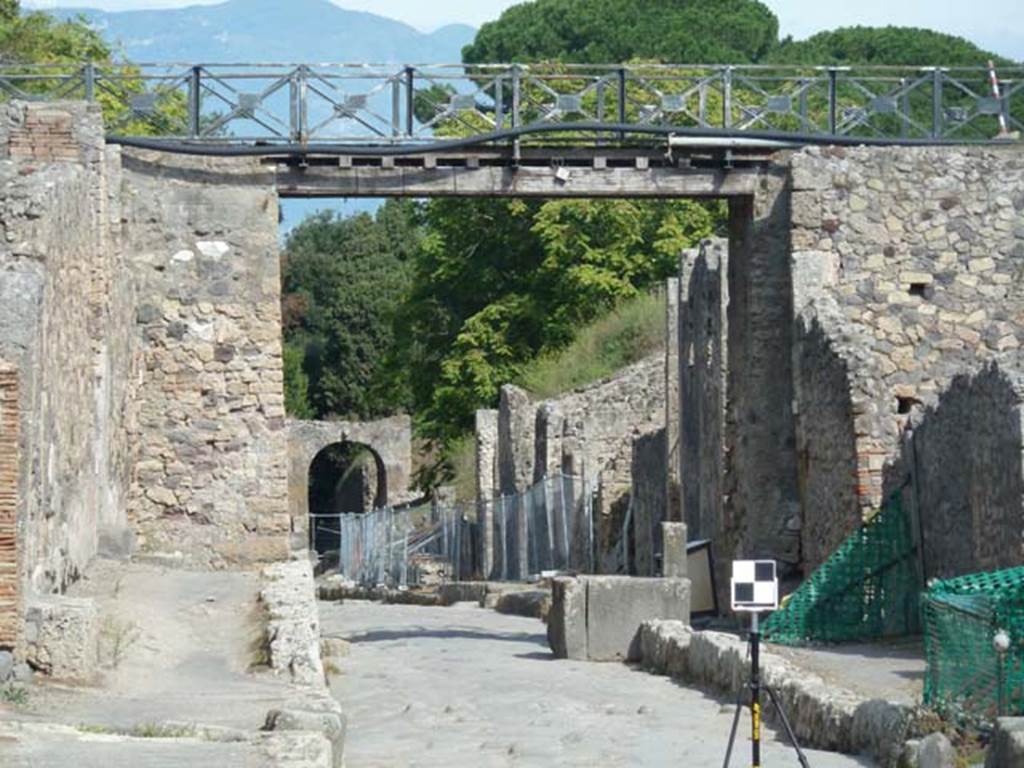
548	527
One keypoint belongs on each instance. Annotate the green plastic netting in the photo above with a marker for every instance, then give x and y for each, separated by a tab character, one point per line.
868	588
966	677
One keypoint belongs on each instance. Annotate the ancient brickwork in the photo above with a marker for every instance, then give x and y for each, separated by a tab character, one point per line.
10	578
907	272
212	478
67	329
965	458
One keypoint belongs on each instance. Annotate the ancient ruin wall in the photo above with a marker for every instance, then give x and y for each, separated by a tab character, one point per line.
968	482
911	263
703	330
64	326
212	476
761	510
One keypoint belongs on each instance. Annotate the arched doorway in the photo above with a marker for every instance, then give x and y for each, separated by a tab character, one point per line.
344	478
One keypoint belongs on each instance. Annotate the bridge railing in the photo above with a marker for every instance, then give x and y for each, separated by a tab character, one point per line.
390	104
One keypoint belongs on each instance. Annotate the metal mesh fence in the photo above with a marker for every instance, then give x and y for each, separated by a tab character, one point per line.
967	677
547	527
868	588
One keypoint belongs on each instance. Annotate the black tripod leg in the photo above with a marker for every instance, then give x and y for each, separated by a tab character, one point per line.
789	729
735	725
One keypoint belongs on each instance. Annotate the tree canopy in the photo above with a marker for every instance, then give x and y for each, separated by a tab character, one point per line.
36	37
612	31
342	281
884	46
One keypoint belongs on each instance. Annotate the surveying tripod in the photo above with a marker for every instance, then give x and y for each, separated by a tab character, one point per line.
755	687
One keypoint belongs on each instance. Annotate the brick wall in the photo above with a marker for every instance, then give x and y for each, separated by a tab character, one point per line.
10	587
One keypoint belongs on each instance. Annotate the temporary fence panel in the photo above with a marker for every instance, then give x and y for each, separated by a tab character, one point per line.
868	588
968	677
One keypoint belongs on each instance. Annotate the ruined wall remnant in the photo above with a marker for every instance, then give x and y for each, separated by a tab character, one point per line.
10	577
649	503
761	509
907	265
65	320
587	436
212	476
703	344
967	461
673	492
486	440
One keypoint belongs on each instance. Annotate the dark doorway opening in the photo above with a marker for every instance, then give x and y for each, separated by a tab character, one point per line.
344	478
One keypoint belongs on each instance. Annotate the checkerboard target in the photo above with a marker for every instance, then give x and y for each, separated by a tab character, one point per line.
754	585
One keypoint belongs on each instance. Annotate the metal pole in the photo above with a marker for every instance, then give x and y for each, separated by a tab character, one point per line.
727	97
755	692
937	127
194	101
410	101
833	107
89	81
622	99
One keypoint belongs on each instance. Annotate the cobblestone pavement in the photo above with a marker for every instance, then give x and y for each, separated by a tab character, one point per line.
465	686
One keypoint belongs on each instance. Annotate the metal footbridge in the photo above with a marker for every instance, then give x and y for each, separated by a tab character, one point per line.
397	110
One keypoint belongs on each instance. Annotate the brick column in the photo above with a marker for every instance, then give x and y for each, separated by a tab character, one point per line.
9	581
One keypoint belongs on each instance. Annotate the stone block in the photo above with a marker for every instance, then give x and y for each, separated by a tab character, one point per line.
62	637
935	751
673	552
1006	750
598	618
567	620
6	665
618	605
324	719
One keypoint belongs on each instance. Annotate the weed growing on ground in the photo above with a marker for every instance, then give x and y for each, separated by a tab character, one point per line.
13	694
116	637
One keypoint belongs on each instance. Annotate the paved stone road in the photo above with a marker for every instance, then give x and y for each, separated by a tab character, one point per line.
465	686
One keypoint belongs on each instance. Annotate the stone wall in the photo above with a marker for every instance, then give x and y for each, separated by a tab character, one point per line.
966	459
65	323
212	477
486	442
907	272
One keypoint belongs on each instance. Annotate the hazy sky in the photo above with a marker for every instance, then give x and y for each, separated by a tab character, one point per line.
995	24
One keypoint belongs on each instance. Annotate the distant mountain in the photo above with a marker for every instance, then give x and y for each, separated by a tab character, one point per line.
242	31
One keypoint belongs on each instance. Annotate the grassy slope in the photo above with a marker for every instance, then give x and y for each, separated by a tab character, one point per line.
630	333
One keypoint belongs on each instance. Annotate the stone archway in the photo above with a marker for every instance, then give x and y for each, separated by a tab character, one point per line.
388	441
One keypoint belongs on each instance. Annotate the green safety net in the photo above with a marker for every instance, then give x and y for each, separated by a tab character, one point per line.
967	678
867	589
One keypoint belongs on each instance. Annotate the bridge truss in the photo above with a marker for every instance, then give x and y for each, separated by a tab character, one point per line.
407	106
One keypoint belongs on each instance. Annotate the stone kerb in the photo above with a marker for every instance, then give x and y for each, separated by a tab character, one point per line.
822	715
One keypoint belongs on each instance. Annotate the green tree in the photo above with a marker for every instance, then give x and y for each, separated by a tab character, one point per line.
499	282
342	281
611	31
883	46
